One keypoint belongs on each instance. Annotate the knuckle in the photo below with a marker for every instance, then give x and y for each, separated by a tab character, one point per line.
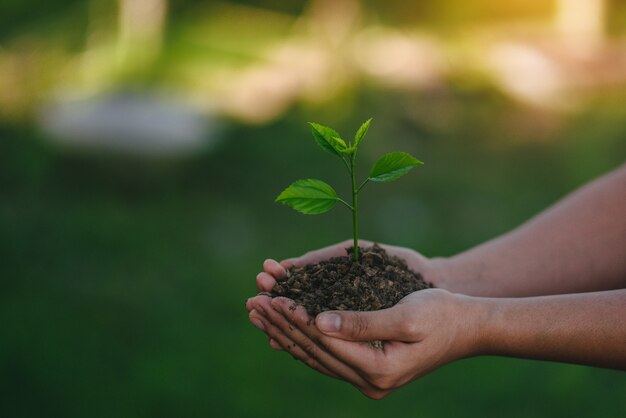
386	384
383	383
321	344
360	326
308	347
301	316
375	394
382	377
408	326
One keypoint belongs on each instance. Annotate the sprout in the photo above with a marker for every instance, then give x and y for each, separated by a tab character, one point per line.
312	196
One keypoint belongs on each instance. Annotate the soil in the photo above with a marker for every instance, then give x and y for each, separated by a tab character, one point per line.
377	281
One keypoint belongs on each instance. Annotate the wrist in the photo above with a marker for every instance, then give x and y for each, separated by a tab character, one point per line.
460	274
438	272
474	325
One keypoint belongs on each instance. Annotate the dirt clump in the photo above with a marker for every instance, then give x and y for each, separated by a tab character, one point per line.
377	281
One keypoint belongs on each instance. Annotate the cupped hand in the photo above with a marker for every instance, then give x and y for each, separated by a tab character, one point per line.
424	331
419	332
272	269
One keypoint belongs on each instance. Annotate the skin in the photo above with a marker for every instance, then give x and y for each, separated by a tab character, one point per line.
552	289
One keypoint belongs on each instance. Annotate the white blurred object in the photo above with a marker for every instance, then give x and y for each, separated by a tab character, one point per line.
528	74
581	23
128	122
400	60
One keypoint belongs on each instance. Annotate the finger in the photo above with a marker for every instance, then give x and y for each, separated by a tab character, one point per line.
274	344
414	260
288	263
312	257
286	344
249	306
358	356
261	322
273	268
385	324
256	320
254	301
262	304
265	282
339	249
280	341
308	345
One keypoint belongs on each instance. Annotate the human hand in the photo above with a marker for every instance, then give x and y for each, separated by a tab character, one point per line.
283	336
272	270
424	331
415	261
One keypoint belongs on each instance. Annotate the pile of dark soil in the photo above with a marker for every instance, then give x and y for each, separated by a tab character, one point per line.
377	281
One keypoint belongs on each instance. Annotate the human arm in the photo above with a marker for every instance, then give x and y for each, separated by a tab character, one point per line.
431	328
577	245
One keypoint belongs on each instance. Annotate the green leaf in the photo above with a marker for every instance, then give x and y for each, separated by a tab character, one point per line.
393	166
309	196
360	134
328	139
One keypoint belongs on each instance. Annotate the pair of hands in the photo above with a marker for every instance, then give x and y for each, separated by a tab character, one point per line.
424	331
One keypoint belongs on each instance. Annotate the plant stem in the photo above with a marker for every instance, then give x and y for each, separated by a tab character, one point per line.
362	184
346	163
345	203
355	208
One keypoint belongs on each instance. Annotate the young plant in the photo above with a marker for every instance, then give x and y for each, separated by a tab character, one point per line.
312	197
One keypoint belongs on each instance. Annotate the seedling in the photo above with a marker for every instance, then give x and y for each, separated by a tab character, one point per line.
312	197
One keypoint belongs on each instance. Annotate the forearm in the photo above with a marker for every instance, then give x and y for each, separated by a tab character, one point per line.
578	245
587	329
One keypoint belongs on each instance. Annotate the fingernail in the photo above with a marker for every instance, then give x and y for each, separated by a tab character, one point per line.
257	324
328	322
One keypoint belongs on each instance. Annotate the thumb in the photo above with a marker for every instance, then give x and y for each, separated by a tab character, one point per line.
385	324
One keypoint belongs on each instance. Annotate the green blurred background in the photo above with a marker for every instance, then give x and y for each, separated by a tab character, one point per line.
142	143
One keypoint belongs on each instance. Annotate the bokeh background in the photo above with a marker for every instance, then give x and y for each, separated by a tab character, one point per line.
142	143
